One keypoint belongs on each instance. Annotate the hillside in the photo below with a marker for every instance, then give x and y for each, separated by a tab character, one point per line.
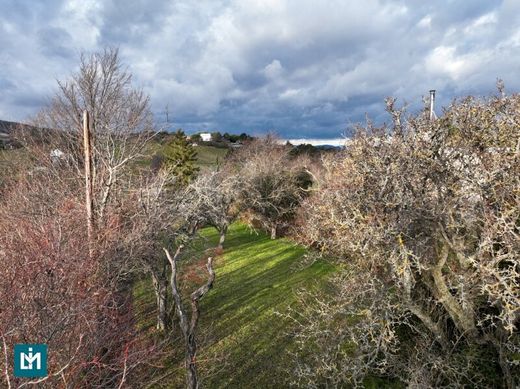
207	156
244	342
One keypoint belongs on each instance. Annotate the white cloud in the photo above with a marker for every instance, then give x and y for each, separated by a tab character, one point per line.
300	66
425	22
273	70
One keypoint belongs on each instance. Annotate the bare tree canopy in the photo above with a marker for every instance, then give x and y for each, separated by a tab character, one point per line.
427	220
271	184
120	119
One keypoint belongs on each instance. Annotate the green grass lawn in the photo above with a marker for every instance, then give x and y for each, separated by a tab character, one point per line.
210	156
244	342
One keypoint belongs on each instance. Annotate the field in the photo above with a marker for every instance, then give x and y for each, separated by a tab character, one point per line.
207	156
245	343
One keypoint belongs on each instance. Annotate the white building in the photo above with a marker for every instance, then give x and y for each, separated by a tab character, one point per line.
205	136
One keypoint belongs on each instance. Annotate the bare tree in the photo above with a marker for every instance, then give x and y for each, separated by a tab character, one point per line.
87	303
216	196
120	119
169	215
150	225
271	183
429	215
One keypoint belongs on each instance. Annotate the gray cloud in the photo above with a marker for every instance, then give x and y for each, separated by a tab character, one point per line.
301	67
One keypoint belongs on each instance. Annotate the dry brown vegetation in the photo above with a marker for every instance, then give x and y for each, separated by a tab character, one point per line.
426	217
271	184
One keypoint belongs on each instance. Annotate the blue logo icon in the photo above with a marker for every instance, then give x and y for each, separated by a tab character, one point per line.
30	360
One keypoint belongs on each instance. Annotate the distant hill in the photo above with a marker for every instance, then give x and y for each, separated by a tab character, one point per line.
6	128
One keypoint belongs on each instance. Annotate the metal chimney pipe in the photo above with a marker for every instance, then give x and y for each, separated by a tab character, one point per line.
432	104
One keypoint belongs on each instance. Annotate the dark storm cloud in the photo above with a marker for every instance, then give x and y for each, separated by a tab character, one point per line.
300	67
132	22
55	41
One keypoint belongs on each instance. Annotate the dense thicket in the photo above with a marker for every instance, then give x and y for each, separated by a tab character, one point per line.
426	217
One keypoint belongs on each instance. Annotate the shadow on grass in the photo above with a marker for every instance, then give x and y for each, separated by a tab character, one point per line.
255	280
244	343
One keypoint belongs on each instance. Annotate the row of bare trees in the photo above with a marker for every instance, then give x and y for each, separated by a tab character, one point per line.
73	290
426	218
56	286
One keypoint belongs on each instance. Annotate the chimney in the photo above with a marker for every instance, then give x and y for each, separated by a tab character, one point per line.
432	105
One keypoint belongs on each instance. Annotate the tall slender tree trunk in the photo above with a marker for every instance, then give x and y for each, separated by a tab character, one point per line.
160	289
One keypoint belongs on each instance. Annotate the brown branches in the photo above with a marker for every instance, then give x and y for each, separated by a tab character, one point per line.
271	184
120	122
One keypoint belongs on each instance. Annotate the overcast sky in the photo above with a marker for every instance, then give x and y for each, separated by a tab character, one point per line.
305	68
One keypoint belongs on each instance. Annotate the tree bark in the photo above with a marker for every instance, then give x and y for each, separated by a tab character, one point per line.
427	320
160	287
223	231
464	319
273	232
189	330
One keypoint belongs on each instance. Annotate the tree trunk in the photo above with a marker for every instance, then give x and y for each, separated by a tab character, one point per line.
191	367
507	377
161	299
188	329
463	319
273	232
223	232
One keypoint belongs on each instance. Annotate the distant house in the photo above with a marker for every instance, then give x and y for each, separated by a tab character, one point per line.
205	136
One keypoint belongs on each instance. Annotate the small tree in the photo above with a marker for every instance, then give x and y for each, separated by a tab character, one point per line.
271	183
150	227
181	158
196	138
216	136
216	195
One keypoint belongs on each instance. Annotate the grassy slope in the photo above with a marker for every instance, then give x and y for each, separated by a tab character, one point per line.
245	343
209	156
